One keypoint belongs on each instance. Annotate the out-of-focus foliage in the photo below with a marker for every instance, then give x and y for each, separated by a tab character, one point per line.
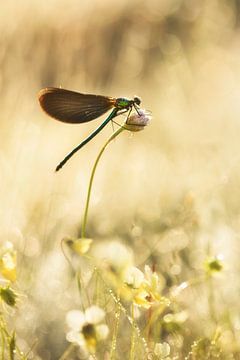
167	197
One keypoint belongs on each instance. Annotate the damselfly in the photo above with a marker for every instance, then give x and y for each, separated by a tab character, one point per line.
74	108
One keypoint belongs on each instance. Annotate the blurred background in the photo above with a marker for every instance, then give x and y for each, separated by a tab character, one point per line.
169	193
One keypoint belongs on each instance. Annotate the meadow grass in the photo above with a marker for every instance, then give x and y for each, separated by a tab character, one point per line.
144	262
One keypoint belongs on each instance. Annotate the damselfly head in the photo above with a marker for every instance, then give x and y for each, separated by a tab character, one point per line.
137	100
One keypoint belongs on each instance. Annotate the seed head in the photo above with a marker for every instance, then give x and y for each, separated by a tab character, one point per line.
138	120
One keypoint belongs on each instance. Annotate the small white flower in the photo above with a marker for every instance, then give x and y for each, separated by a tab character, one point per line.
138	120
178	318
162	350
86	328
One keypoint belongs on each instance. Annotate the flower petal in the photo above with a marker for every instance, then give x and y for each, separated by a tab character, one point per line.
75	319
8	265
133	277
94	314
102	331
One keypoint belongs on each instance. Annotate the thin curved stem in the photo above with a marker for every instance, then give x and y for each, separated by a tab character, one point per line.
85	216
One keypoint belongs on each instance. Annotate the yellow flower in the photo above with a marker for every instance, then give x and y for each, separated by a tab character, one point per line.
79	246
146	287
213	264
152	284
8	262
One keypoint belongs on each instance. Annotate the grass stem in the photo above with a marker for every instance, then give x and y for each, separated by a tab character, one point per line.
85	216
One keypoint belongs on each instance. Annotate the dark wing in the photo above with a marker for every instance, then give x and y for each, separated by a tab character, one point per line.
73	107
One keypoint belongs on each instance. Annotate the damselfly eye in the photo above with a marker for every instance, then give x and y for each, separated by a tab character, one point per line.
137	100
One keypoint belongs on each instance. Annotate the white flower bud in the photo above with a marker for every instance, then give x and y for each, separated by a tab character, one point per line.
162	350
138	120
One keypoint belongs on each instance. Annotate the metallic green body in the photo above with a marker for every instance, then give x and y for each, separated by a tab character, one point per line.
123	103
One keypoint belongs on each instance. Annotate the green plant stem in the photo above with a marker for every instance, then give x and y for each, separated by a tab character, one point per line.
67	352
85	216
123	310
132	350
115	332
